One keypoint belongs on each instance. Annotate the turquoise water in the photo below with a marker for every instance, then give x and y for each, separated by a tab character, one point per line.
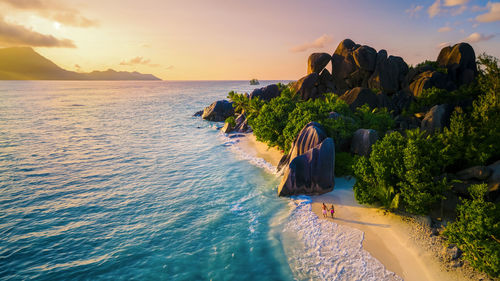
116	180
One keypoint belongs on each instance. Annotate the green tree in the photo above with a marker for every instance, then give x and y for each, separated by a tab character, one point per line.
477	231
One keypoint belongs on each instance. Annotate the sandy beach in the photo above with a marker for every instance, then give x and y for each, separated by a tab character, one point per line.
387	237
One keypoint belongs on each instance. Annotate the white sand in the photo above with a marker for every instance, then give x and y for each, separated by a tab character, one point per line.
386	236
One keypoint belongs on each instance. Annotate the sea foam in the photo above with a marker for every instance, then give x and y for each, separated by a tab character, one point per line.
324	250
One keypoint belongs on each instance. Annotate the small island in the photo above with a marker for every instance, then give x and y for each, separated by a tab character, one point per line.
254	82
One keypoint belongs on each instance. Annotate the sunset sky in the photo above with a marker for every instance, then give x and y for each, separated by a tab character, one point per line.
235	39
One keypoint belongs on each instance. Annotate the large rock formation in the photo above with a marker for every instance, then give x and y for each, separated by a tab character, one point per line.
317	62
310	136
362	141
354	65
218	111
460	61
360	96
311	172
266	93
436	118
241	124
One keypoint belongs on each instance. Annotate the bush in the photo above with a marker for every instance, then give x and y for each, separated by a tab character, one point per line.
401	172
316	110
231	121
378	119
343	164
477	231
272	118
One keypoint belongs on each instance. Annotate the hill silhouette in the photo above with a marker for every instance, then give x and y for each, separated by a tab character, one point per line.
23	63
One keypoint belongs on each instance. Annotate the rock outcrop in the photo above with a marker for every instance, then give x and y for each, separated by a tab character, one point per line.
362	141
311	172
241	124
476	172
354	65
317	62
218	111
360	96
427	80
436	118
266	93
307	86
228	128
460	61
310	136
390	73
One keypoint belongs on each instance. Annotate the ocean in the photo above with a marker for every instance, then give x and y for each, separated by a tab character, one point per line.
117	181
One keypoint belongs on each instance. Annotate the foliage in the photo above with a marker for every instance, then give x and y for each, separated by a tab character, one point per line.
378	119
432	64
316	110
432	96
231	121
477	231
240	101
472	138
401	170
343	164
272	119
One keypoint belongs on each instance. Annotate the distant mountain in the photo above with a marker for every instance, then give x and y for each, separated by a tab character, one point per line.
23	63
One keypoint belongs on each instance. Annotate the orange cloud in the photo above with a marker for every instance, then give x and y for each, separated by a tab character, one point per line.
54	10
13	34
318	43
138	60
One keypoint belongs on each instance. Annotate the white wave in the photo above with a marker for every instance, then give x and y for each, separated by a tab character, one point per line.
243	155
324	250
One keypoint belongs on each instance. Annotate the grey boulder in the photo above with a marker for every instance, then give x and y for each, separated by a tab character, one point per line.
310	173
360	96
266	93
436	118
362	141
218	111
317	62
460	61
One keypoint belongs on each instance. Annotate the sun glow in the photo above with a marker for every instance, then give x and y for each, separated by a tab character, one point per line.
57	25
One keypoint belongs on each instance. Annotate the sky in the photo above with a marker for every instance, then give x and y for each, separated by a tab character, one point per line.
236	39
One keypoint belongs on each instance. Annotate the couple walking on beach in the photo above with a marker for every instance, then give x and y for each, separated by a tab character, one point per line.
325	210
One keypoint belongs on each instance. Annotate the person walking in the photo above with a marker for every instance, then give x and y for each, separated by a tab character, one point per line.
324	210
332	211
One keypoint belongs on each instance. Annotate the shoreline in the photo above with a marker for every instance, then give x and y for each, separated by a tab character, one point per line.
401	244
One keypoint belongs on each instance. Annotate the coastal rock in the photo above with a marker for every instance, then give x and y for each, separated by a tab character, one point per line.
241	124
198	113
326	81
317	62
460	61
436	118
362	141
218	111
310	136
476	172
427	80
266	93
307	86
360	96
494	182
310	173
228	128
389	74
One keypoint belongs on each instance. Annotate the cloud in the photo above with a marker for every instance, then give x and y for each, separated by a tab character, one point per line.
492	15
53	10
318	43
434	9
13	34
478	37
170	67
459	10
413	10
450	3
138	61
445	29
442	45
